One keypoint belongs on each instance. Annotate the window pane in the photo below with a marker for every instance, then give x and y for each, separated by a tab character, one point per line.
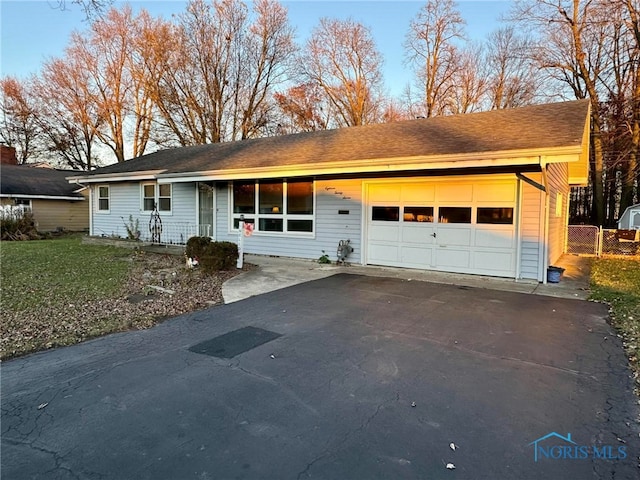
270	197
103	204
165	190
300	198
300	225
148	204
103	192
455	215
270	225
236	222
418	214
164	204
244	194
503	216
385	214
149	191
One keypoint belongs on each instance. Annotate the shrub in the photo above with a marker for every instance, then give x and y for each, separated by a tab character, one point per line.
133	228
196	247
14	226
219	256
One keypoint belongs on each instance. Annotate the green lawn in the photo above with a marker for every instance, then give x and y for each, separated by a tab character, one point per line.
45	285
616	281
60	271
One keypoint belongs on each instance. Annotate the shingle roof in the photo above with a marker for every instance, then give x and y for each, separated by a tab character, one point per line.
22	180
541	127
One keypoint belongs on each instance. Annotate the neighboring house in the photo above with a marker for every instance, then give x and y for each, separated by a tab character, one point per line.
483	193
55	203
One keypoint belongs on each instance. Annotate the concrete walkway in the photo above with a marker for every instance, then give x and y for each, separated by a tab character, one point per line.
274	273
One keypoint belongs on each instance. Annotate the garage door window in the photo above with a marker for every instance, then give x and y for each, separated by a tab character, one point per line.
418	214
385	214
454	215
495	216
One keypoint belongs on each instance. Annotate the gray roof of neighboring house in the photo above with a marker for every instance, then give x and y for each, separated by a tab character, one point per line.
26	181
546	126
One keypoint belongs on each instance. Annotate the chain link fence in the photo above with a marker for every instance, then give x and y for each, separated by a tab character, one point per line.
583	239
591	240
611	243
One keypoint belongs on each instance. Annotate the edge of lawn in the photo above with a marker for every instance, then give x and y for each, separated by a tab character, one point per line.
616	282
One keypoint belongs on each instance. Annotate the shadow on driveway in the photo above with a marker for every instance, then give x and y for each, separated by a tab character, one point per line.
355	378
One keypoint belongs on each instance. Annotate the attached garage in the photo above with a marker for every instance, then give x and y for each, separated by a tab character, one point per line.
454	225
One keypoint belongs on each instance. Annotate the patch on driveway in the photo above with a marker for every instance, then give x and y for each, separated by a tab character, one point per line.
234	343
372	378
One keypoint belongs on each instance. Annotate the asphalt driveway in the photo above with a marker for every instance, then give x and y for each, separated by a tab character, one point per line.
358	378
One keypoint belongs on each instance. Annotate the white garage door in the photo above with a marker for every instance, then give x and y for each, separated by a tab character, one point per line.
461	226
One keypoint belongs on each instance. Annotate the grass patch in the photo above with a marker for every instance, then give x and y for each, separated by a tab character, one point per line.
59	272
616	281
46	288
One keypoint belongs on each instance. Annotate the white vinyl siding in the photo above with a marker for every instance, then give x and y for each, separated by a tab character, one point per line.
531	229
557	179
125	200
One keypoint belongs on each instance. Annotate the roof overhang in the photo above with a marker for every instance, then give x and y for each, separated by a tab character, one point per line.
116	177
42	197
514	159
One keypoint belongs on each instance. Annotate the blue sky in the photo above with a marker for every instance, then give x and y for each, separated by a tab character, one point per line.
33	31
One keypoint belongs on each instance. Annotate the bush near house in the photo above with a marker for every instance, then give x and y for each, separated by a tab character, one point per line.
219	256
16	224
616	281
212	256
196	246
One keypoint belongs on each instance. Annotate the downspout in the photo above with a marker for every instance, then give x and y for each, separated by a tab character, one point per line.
519	196
545	249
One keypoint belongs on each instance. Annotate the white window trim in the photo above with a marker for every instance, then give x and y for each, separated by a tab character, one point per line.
284	216
98	198
142	197
170	197
156	198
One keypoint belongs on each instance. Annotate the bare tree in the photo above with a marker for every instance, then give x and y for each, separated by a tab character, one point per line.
468	83
511	76
112	52
573	51
430	49
67	114
91	8
342	60
302	109
264	64
219	80
19	126
631	176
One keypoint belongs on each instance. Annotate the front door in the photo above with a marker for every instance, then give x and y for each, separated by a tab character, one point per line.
206	209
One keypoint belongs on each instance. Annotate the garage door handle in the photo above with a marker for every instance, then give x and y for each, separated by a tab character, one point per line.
433	234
